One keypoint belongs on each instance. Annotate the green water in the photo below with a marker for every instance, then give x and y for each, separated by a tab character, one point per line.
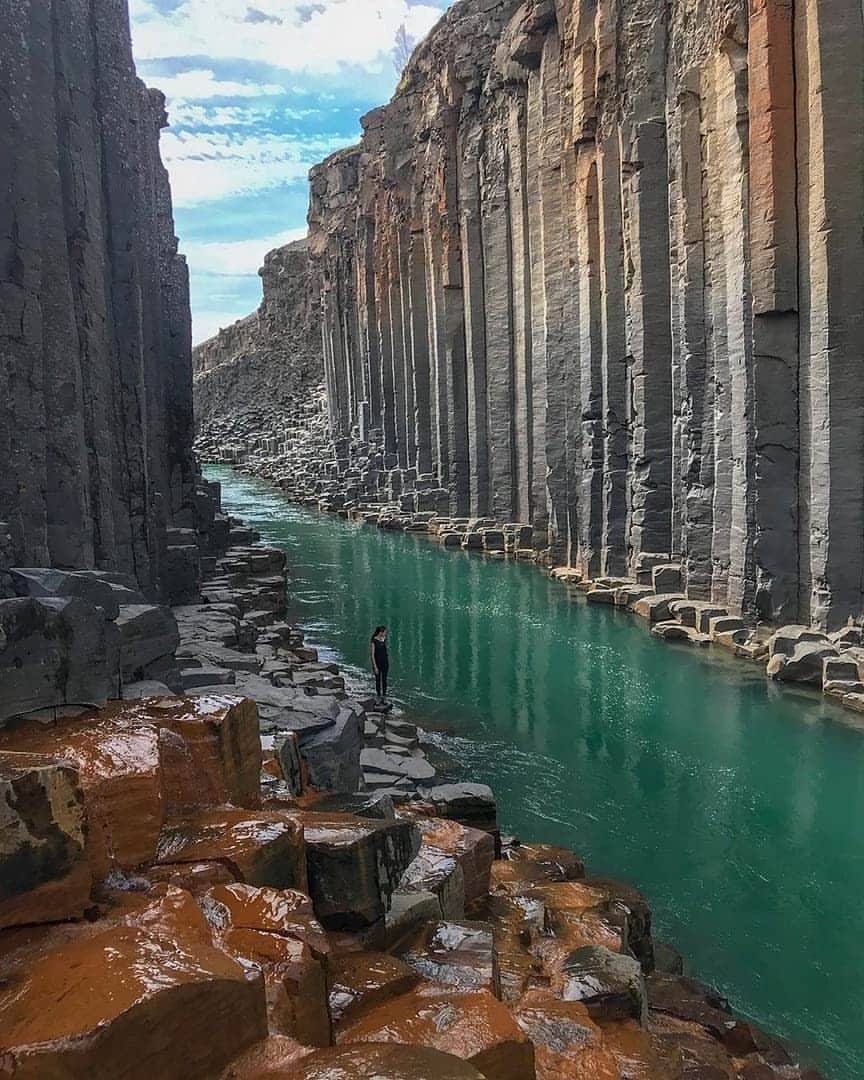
736	807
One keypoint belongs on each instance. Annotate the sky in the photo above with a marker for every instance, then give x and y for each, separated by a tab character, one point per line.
259	91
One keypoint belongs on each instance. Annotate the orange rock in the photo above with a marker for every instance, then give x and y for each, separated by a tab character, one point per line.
639	1054
537	863
259	847
270	765
460	954
196	877
269	1059
276	930
295	981
360	981
142	997
210	749
117	759
579	913
567	1044
473	849
44	874
262	908
388	1062
518	923
473	1026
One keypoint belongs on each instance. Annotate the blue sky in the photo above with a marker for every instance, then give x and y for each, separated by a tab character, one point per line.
258	91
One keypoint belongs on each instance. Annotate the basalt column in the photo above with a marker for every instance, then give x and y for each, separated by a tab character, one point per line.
95	372
630	236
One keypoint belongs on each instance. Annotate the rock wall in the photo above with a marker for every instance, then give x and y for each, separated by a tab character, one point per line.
596	268
95	379
260	369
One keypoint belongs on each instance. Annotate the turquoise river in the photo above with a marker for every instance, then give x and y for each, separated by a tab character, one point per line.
737	807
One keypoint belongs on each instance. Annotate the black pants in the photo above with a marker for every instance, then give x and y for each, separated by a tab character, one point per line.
381	681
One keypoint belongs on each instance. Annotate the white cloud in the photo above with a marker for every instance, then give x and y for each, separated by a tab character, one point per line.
314	36
237	256
206	166
207	324
200	84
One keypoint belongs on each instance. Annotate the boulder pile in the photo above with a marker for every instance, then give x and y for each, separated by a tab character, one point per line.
259	876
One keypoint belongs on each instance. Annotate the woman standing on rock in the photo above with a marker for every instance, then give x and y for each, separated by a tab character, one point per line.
380	660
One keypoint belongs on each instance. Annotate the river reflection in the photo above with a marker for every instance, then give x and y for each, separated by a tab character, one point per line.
734	805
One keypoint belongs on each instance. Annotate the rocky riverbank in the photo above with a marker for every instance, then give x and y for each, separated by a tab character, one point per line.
263	868
350	477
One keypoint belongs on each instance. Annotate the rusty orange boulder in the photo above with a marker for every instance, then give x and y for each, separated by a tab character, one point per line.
117	761
44	875
383	1062
459	954
145	996
472	849
210	749
139	761
276	930
261	847
360	981
567	1044
473	1026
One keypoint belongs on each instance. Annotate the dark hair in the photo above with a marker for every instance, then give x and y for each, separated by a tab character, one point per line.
377	631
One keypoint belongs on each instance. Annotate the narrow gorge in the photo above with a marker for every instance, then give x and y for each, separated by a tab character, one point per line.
596	269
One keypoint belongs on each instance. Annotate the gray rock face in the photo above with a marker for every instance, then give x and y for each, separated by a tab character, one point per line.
332	754
55	652
95	383
260	369
591	270
45	581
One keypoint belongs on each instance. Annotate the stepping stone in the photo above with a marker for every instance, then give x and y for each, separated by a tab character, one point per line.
206	676
413	768
362	980
567	1043
470	804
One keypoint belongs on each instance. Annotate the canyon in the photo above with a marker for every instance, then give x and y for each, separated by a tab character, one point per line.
594	270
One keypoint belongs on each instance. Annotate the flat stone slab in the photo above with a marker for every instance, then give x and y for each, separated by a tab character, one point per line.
416	769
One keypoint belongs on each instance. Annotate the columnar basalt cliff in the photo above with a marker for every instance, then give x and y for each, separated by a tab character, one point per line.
101	508
95	380
596	269
254	373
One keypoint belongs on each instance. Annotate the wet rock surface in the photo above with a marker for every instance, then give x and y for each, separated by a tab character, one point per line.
393	921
